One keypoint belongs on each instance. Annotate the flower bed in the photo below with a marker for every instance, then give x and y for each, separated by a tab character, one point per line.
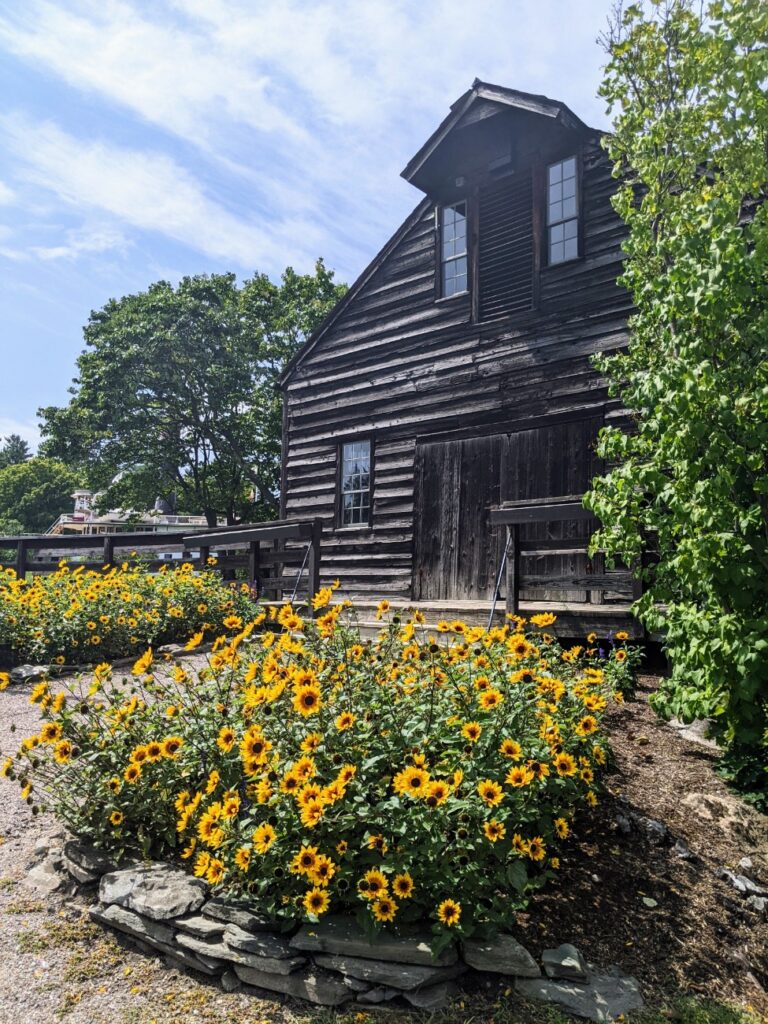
75	615
423	777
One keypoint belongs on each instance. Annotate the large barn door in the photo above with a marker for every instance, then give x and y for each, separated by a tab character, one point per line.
455	548
551	462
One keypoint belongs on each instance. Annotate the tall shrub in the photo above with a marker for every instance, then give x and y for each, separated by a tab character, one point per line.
690	481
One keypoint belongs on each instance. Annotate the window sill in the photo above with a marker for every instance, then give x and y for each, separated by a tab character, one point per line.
451	298
354	528
563	263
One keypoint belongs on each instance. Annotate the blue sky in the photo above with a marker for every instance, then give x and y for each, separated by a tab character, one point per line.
148	140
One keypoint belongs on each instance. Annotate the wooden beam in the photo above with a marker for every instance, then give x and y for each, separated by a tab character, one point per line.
539	513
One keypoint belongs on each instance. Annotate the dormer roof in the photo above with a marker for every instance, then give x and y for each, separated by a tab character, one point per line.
483	100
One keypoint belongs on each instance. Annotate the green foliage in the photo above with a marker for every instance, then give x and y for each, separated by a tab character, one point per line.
177	392
34	493
690	482
418	777
14	449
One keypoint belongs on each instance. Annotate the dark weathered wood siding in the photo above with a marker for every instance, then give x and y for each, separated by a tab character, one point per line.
404	368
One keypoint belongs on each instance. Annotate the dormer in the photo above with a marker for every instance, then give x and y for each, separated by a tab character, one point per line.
504	173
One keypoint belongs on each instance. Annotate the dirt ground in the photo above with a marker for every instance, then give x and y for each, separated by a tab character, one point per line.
620	897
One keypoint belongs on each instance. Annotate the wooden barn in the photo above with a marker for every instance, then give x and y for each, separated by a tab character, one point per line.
445	413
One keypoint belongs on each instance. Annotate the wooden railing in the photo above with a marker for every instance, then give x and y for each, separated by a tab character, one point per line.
263	550
514	515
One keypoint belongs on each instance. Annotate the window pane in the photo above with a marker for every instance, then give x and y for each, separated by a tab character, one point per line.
569	207
571	249
556	252
570	229
555	212
569	167
555	193
556	233
555	173
355	482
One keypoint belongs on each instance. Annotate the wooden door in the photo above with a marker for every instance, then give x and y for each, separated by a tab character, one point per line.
456	552
551	462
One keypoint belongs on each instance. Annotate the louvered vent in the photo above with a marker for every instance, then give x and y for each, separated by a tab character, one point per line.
505	264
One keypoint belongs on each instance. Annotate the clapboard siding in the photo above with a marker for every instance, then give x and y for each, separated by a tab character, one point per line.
408	370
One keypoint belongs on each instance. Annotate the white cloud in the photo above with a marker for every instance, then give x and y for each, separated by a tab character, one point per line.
7	195
98	239
147	190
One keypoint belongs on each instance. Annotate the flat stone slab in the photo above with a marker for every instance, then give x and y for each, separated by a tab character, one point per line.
608	995
201	927
221	951
502	955
239	913
158	891
115	916
89	858
565	962
317	986
261	943
343	935
388	973
436	997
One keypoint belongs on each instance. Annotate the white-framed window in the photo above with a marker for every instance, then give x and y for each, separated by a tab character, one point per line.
562	211
355	484
453	249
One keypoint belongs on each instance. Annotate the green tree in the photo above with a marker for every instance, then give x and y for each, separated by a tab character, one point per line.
690	481
35	493
177	392
14	449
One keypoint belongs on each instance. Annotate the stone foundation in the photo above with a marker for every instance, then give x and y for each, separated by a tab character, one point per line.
165	910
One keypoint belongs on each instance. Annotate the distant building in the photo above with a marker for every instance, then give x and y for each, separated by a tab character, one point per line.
85	520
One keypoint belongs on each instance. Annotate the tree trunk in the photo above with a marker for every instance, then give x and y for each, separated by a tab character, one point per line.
210	517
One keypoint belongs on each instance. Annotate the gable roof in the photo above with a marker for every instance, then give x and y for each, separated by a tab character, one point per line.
479	91
514	98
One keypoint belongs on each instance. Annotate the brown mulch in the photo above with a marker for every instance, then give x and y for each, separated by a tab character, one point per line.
701	938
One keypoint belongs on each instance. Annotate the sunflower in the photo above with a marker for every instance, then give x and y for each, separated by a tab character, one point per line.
511	749
324	870
373	884
307	700
132	773
243	858
255	748
215	871
490	792
264	837
378	843
564	764
154	751
226	739
520	845
518	777
438	793
402	885
411	781
536	848
494	830
312	813
114	784
384	908
449	913
311	742
116	818
316	902
622	635
139	755
202	861
586	726
621	655
490	699
50	732
345	721
305	861
561	827
471	731
171	746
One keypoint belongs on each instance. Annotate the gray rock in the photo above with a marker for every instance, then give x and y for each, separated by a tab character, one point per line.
29	673
564	962
134	924
230	981
241	914
48	875
608	995
655	831
374	996
221	951
201	927
502	955
696	731
89	858
343	935
159	891
624	824
741	883
183	958
683	850
261	943
356	985
759	904
312	984
387	973
78	873
436	997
